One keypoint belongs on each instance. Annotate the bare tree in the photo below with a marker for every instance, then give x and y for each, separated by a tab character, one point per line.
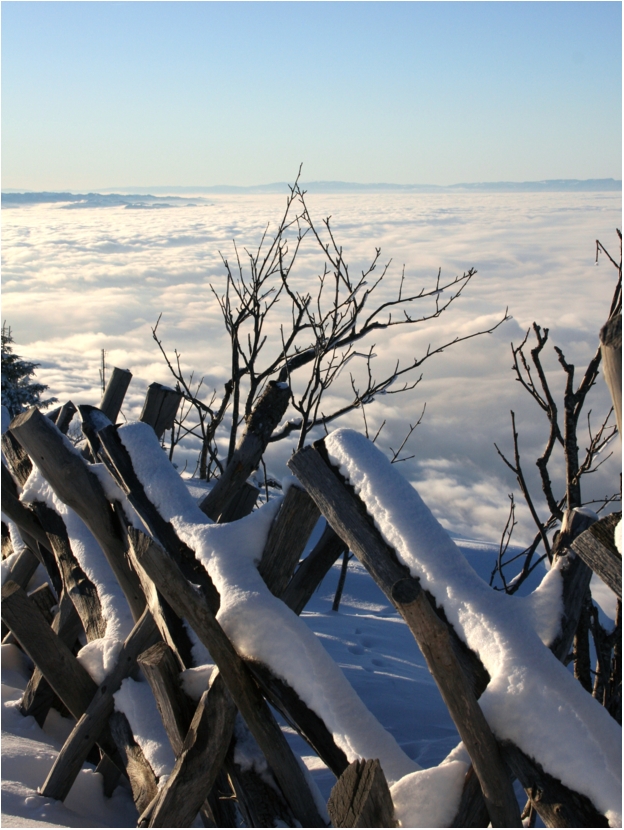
305	338
563	418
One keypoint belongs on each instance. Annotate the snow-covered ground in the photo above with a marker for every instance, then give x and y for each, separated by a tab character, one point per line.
366	638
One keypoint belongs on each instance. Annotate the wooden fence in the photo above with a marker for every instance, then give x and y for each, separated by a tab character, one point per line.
164	583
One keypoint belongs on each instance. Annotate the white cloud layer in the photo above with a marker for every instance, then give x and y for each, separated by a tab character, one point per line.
76	282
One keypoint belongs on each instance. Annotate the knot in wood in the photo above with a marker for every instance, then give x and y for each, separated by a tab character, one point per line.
406	590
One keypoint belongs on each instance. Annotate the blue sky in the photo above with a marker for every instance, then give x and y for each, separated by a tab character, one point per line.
104	94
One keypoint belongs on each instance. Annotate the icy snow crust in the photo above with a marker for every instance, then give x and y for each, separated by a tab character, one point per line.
532	699
259	625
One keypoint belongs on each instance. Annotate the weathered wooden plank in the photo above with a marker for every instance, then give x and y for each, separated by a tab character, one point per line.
258	795
18	512
162	672
7	544
115	393
199	762
71	682
62	416
241	504
596	547
313	569
16	457
361	797
160	407
44	599
39	696
86	732
611	350
79	488
185	600
347	515
76	583
23	567
557	805
266	415
287	539
303	719
140	774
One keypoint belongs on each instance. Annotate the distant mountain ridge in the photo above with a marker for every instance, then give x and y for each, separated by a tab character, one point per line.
147	197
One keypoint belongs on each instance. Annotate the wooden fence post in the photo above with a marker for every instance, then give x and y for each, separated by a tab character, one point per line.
266	415
361	797
347	515
115	393
160	407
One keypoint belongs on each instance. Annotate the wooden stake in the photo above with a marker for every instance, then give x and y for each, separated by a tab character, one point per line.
115	393
361	797
266	415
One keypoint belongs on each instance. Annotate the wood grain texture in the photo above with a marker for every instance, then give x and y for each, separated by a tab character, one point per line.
143	782
287	539
200	760
611	350
596	547
361	797
160	407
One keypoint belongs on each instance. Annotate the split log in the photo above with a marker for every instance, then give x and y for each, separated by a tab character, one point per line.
71	682
76	583
361	797
162	672
596	547
17	511
161	669
62	416
160	408
39	696
86	732
303	719
241	504
16	457
79	488
200	760
265	416
7	544
44	599
287	539
313	569
140	773
23	567
557	805
119	463
347	515
611	350
185	600
115	393
258	796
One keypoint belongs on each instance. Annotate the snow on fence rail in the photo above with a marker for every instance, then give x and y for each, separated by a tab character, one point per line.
148	579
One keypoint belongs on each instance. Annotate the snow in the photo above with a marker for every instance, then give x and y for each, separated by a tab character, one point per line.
359	669
532	699
115	610
28	753
137	702
258	624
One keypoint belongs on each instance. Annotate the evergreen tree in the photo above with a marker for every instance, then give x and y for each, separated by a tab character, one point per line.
18	390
